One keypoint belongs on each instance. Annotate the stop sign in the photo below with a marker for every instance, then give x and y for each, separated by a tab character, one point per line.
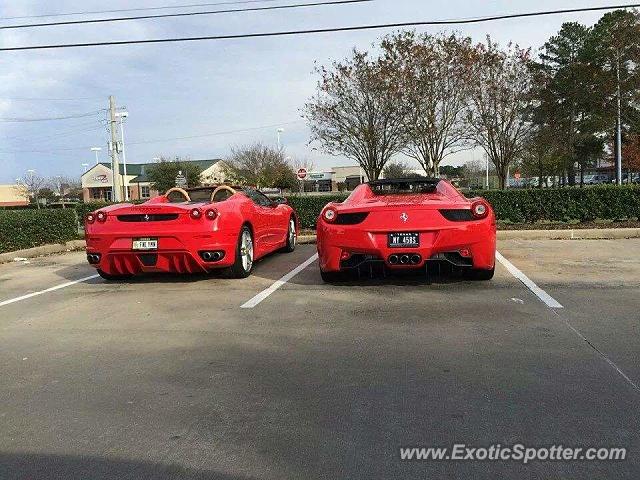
302	173
517	175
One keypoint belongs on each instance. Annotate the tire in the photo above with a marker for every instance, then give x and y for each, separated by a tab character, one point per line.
243	265
480	274
331	277
113	278
292	236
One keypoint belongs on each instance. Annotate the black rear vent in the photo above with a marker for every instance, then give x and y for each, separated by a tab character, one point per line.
457	215
151	217
351	218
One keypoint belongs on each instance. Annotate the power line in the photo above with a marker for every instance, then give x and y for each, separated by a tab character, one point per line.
324	30
188	14
228	132
46	119
140	9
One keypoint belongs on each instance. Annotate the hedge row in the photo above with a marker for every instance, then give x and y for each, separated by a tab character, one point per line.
30	228
607	202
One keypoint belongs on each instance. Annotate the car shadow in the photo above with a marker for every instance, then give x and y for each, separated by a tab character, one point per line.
33	466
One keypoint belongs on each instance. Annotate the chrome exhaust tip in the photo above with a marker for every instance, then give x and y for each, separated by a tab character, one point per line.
415	259
404	259
215	256
393	259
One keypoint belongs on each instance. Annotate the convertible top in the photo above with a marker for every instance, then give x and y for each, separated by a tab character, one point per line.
404	185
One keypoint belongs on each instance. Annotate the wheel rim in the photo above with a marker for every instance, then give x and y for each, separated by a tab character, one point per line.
246	251
292	233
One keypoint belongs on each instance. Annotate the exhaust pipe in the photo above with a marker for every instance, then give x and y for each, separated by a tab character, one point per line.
207	256
416	259
215	256
93	258
404	259
393	259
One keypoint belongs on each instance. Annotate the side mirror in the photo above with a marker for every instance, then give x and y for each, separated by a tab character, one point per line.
280	201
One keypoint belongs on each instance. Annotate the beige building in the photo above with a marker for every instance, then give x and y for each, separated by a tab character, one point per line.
13	196
97	182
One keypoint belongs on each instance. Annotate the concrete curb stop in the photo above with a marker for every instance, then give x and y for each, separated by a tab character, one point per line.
578	234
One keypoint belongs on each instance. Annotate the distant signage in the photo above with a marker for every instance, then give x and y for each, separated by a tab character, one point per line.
315	176
516	175
100	179
302	173
181	180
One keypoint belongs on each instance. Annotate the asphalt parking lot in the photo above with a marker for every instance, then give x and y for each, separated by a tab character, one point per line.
168	377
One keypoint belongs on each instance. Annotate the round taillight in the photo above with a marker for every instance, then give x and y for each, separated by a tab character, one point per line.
90	218
211	214
101	217
479	209
330	215
196	214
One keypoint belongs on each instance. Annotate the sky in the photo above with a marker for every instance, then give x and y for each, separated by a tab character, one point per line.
226	93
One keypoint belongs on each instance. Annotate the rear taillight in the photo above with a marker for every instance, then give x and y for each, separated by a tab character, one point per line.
196	214
101	217
329	214
479	209
90	218
211	214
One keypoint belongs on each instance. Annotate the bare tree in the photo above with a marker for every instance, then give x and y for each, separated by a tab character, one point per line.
30	184
358	111
435	72
261	166
500	104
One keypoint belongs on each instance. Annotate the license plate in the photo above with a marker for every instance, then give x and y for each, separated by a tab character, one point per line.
145	244
404	239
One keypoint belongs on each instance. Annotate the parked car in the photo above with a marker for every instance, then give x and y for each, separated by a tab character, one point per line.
407	224
597	179
188	231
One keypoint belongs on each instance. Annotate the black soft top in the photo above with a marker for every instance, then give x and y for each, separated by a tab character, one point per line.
404	185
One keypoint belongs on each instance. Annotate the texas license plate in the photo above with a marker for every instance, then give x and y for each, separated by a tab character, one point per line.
403	239
145	244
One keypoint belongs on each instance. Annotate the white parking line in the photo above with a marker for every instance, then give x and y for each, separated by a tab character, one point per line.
535	289
41	292
279	283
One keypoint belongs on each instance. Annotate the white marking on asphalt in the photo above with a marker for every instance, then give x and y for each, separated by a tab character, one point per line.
41	292
279	283
535	289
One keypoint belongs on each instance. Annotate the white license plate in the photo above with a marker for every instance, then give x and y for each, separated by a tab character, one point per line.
145	244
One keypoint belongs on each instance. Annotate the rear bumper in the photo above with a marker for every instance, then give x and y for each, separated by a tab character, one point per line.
337	242
177	253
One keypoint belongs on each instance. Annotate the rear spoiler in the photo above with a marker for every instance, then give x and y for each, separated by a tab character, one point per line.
404	185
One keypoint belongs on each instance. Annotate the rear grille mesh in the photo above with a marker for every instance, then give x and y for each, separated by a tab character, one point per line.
457	215
155	217
351	218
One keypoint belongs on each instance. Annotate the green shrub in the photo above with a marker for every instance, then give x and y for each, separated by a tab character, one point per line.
609	202
30	228
308	207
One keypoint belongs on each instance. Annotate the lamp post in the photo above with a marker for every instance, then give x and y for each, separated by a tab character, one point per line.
85	166
279	132
122	116
96	150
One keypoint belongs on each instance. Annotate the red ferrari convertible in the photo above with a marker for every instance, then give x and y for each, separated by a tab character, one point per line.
407	224
188	231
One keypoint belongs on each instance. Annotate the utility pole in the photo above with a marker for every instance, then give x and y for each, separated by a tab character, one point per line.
117	191
618	125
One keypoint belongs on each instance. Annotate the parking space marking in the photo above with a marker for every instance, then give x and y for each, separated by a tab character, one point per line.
41	292
279	283
535	289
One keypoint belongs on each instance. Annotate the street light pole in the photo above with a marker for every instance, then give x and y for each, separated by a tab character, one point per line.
96	150
279	132
618	125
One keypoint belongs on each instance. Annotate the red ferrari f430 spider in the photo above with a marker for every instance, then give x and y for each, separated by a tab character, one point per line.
407	224
188	231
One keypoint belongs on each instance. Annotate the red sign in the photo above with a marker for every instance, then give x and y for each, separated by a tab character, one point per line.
302	173
516	175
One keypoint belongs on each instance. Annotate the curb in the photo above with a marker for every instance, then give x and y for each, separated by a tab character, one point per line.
585	234
42	250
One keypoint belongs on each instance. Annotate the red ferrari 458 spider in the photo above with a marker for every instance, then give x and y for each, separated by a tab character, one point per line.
188	231
407	224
